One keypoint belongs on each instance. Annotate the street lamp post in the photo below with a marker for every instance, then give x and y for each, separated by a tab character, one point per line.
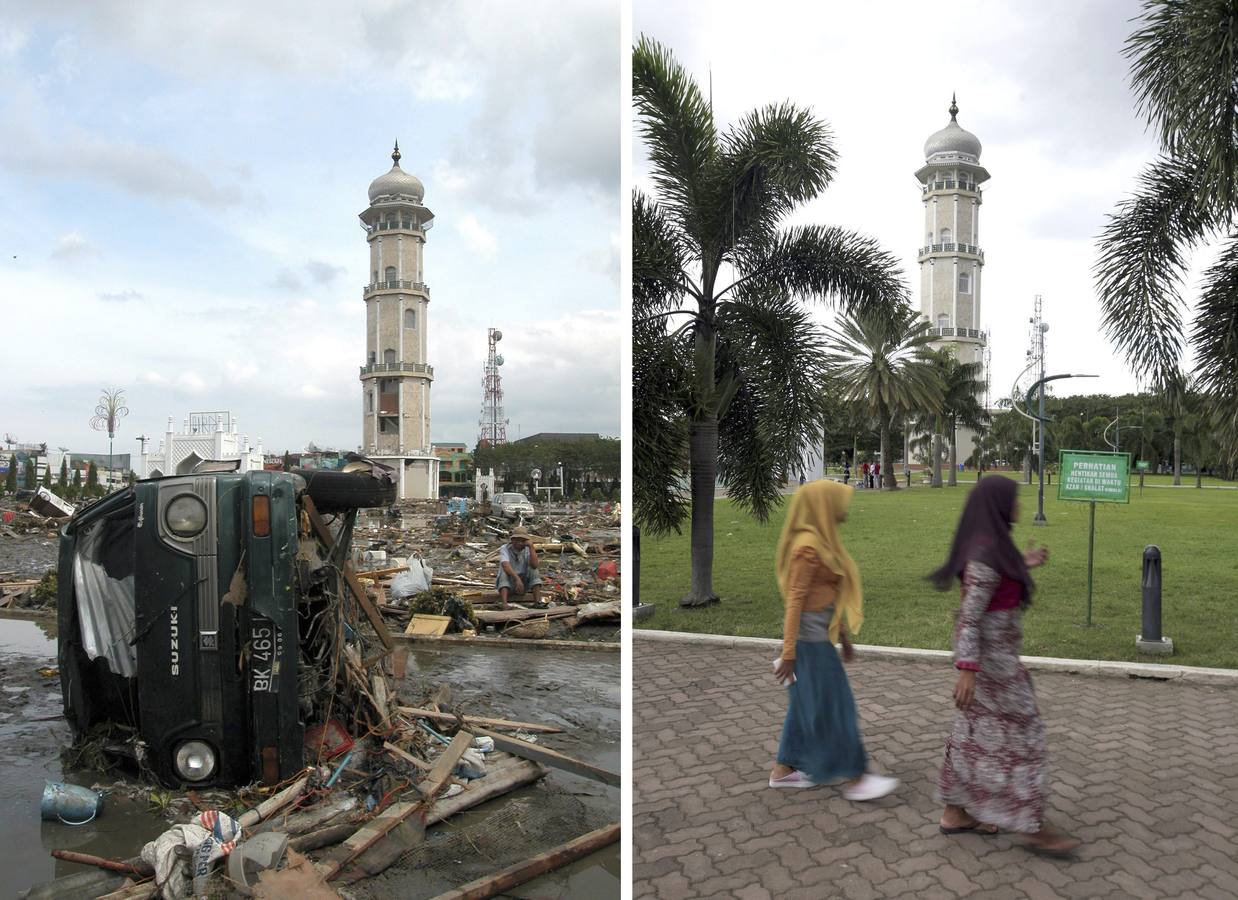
108	413
1041	419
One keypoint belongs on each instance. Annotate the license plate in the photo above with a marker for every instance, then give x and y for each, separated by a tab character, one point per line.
265	641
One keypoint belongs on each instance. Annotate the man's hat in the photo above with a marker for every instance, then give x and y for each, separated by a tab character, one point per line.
520	532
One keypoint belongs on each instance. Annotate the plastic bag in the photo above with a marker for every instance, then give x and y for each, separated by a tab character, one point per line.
413	581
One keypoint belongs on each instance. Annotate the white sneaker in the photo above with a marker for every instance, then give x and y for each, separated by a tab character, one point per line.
870	787
796	779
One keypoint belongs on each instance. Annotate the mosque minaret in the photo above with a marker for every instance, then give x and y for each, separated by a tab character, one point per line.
951	259
396	379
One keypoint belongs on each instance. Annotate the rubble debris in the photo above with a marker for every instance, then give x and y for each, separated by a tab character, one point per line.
500	882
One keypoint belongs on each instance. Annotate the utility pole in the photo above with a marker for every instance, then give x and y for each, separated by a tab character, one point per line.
1040	385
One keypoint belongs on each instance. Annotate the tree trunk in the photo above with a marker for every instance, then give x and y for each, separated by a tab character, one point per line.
703	456
1177	456
936	451
887	471
953	480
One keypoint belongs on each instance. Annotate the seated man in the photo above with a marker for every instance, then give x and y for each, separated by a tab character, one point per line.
518	569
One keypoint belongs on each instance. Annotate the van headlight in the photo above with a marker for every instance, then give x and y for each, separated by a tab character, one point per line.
185	515
195	761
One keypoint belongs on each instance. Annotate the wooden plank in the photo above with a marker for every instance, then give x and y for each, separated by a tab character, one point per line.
424	623
406	756
274	803
548	757
505	879
374	830
457	640
483	721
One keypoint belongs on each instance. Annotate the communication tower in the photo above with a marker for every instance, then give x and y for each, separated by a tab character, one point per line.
492	430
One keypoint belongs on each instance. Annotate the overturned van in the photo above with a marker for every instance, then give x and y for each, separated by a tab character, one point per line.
194	613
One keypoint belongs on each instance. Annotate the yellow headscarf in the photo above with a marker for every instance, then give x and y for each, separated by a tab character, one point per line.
812	521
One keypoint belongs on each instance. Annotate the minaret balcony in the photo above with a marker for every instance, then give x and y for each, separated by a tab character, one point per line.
958	332
400	225
950	184
420	286
967	249
397	368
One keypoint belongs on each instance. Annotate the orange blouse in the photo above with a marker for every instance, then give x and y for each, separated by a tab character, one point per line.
813	588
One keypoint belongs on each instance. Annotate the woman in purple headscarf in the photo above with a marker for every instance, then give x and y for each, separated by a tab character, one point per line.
994	773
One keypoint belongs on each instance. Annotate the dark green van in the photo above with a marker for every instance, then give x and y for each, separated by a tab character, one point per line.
192	613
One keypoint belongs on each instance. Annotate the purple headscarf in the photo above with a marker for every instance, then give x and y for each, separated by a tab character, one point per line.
983	535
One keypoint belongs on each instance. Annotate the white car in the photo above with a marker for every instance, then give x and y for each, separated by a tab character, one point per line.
511	506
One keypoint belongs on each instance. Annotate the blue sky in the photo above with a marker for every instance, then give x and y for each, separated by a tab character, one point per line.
179	190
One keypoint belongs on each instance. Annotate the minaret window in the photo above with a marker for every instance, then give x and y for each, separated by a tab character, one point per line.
373	357
946	235
964	282
389	356
410	318
943	321
389	275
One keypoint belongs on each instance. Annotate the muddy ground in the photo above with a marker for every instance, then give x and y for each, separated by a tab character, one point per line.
27	555
578	690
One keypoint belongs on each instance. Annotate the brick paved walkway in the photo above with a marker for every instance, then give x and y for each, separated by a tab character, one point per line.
1145	772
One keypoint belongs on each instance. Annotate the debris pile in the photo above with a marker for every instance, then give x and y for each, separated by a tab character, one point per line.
379	768
433	571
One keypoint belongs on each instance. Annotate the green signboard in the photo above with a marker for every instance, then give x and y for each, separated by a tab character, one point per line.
1093	475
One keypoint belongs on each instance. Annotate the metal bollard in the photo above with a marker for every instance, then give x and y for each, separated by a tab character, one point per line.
1151	640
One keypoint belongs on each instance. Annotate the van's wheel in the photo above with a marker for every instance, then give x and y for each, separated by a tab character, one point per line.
334	491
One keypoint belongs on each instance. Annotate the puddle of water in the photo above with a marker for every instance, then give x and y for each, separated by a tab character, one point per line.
30	740
28	637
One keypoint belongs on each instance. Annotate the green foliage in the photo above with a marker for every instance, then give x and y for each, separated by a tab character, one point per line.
92	475
588	459
10	480
728	374
31	479
45	590
882	369
1184	71
64	472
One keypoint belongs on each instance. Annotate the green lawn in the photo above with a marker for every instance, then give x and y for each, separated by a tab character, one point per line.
898	538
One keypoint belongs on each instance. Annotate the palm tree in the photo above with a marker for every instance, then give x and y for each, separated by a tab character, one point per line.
736	389
1184	74
879	364
961	385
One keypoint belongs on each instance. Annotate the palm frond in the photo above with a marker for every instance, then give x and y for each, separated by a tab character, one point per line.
1142	262
829	264
776	417
659	259
1215	339
677	126
774	159
1184	72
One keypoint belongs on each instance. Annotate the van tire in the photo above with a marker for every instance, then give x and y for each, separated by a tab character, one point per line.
334	491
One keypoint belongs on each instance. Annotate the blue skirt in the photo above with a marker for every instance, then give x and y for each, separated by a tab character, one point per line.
821	734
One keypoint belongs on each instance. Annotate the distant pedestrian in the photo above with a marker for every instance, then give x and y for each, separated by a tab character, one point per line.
820	585
994	772
877	474
846	472
864	474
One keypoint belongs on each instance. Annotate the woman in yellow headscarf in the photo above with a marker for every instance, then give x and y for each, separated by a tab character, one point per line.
821	590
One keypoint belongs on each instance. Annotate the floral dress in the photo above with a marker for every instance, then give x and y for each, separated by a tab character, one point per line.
995	763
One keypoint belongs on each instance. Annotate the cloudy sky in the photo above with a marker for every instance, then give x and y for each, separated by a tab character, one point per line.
1043	86
179	190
